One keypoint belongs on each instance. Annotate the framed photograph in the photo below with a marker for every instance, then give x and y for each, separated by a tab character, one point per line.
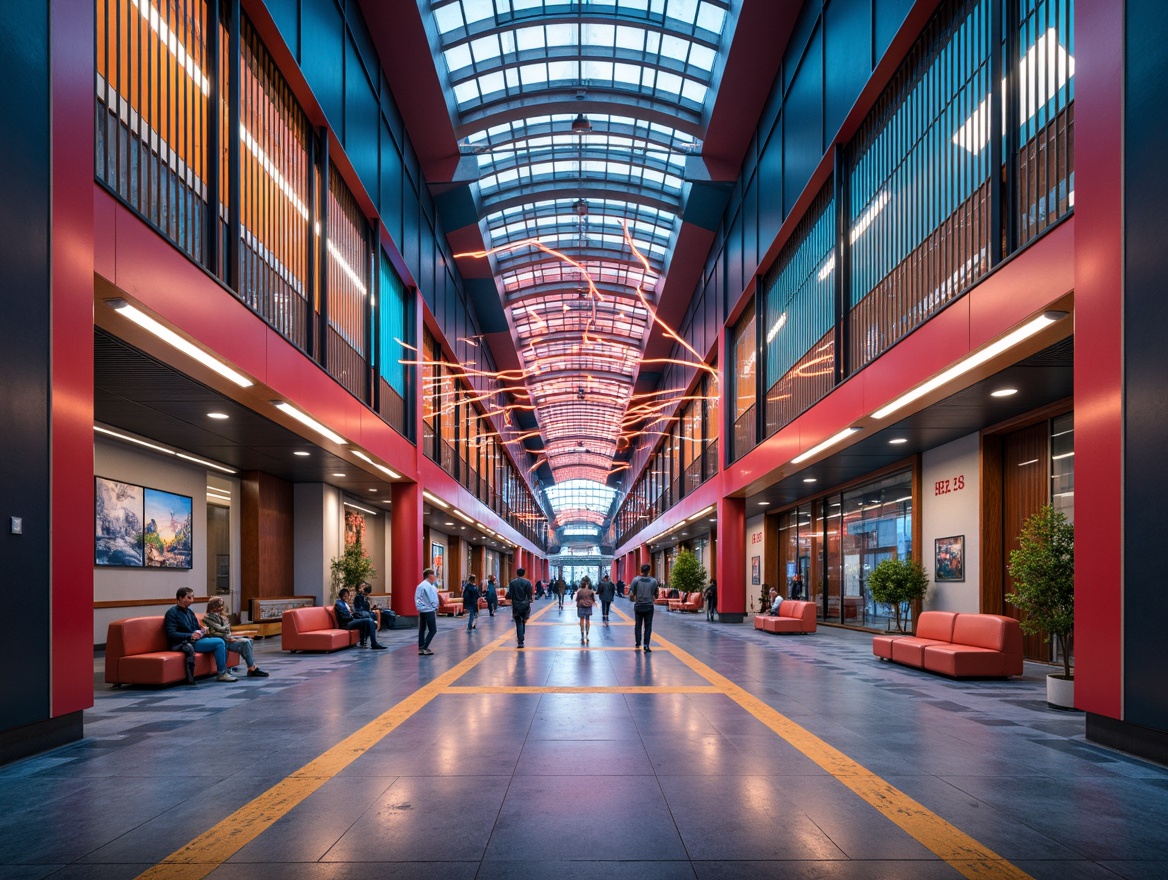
437	555
949	560
166	531
118	521
756	570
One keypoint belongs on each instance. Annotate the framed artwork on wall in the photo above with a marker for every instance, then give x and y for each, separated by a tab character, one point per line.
437	556
756	570
949	560
118	522
167	529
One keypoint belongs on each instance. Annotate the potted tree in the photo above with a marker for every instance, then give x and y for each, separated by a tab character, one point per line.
1043	569
896	582
688	575
352	568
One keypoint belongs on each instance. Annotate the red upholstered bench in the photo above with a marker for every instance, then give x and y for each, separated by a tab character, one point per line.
136	652
793	617
314	629
687	602
958	645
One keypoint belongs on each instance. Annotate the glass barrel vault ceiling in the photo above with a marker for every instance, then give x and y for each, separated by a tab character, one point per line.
581	316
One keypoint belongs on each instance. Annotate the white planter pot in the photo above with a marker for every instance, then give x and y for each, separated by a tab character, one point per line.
1060	692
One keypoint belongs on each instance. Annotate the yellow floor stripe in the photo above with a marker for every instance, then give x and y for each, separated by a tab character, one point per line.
586	689
253	819
970	858
574	648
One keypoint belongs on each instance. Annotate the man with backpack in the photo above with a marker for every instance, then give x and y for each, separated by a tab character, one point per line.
642	592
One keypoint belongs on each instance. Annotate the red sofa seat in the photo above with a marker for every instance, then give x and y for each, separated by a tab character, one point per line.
449	605
958	645
136	652
687	602
314	629
793	617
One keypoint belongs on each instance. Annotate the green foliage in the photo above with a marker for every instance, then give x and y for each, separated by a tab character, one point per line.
1043	569
352	568
688	575
897	581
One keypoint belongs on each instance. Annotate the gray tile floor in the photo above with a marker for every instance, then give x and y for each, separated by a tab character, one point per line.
583	785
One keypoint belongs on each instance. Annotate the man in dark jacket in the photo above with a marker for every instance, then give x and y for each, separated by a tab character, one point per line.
470	600
642	591
607	592
365	625
183	633
520	591
711	599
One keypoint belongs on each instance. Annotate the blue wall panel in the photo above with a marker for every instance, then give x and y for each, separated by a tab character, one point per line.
889	16
322	51
286	15
362	120
803	123
847	62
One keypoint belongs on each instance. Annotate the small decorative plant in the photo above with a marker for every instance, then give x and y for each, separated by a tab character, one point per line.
689	575
1043	569
352	568
898	581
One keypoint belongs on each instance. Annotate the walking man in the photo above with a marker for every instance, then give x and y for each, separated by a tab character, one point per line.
470	600
520	591
606	592
711	599
642	591
491	594
426	601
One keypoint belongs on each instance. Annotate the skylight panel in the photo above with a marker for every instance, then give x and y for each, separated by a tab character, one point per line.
667	82
561	34
598	35
674	48
711	18
464	92
702	57
457	57
491	82
601	70
485	48
533	74
529	38
694	91
685	11
448	18
626	74
652	43
477	10
630	38
562	70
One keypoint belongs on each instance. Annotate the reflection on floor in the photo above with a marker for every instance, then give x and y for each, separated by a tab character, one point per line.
575	762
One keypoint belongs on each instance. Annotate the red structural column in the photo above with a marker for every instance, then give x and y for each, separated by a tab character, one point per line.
730	560
1099	377
72	65
405	532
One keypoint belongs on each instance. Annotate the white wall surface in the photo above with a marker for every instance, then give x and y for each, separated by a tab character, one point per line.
950	505
130	464
755	546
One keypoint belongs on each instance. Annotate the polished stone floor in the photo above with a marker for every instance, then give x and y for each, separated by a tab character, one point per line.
568	762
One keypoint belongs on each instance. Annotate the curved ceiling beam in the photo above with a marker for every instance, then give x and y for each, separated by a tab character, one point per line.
561	98
588	189
521	130
561	230
591	153
584	52
569	290
571	13
512	261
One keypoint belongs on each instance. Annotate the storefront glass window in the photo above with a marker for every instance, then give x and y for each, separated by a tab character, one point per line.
1062	464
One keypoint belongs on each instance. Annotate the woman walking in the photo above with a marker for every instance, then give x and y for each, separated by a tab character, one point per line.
585	598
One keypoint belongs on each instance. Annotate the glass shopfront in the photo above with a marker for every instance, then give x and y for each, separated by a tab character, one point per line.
833	543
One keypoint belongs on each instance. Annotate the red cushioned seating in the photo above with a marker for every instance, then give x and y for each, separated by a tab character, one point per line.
314	629
933	628
983	645
136	652
793	617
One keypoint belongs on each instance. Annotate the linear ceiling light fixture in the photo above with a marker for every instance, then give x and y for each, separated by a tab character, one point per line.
826	444
360	508
434	499
127	438
310	422
393	475
175	341
972	361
